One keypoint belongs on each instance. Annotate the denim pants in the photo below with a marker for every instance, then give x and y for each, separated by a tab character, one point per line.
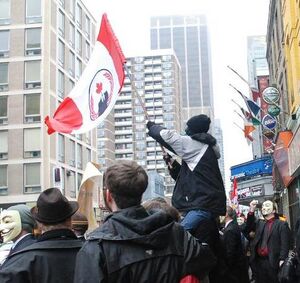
194	218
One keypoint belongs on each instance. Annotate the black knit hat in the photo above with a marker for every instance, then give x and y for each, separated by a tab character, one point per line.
198	124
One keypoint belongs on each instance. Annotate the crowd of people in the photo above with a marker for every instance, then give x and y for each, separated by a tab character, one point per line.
197	238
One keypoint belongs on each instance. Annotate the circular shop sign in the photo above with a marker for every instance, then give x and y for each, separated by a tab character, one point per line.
271	95
273	110
269	122
269	133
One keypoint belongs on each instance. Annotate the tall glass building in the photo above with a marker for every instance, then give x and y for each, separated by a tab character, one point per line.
189	37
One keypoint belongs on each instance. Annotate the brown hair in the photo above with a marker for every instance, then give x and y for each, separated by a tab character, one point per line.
158	205
126	181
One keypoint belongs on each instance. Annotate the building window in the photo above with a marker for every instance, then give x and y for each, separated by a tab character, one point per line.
79	179
72	153
62	3
3	110
71	85
3	77
79	156
33	11
4	43
61	148
32	173
87	26
61	84
87	51
61	53
72	8
78	15
3	180
3	145
61	23
78	42
32	108
71	63
72	183
89	155
32	74
33	41
72	35
4	12
32	143
78	68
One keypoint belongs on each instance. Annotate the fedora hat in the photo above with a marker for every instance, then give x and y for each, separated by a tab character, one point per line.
53	207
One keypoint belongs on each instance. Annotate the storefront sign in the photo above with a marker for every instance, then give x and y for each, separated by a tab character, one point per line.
294	152
273	110
270	134
250	192
271	95
269	122
281	156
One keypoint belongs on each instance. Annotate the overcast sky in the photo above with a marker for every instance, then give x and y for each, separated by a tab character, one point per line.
230	22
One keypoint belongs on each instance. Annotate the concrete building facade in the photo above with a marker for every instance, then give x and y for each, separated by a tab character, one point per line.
44	47
155	77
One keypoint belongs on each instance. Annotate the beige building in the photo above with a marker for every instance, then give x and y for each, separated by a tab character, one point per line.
44	46
156	78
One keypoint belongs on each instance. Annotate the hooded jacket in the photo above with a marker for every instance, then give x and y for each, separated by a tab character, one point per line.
199	184
137	247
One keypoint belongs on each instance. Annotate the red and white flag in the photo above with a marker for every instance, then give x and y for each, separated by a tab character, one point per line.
234	195
97	90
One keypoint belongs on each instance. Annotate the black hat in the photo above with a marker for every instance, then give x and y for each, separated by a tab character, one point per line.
53	207
198	124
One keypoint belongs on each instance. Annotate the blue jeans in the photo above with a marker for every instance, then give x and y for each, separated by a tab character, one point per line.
194	218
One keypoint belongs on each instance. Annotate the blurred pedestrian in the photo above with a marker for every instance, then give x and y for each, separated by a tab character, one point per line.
17	225
199	191
52	258
271	243
134	245
80	225
233	249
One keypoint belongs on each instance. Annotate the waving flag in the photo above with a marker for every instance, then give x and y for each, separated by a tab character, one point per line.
255	94
96	92
253	106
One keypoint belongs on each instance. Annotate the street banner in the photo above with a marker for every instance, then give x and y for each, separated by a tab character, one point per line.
97	90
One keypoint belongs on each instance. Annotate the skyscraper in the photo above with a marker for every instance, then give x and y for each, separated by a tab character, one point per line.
44	46
189	37
155	77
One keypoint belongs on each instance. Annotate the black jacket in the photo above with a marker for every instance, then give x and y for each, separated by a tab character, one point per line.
278	241
234	254
138	247
199	184
297	246
50	260
23	243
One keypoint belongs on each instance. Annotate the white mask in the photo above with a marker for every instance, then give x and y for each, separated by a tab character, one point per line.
10	225
267	208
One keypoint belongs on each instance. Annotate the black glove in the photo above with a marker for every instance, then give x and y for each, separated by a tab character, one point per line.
150	124
167	158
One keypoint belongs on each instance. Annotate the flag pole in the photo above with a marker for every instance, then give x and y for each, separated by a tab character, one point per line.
142	105
136	92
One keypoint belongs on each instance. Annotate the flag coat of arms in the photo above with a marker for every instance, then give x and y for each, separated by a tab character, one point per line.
97	90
